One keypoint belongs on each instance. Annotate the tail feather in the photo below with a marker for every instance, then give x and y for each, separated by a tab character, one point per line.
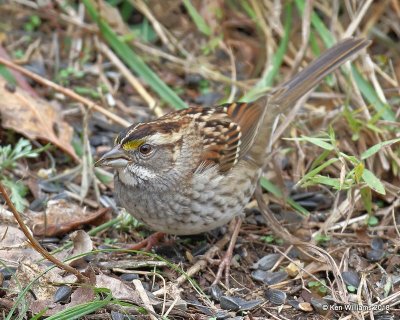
286	96
310	76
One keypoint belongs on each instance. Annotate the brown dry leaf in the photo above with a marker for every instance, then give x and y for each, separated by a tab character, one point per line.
64	216
6	216
118	289
34	118
14	245
82	244
79	296
42	288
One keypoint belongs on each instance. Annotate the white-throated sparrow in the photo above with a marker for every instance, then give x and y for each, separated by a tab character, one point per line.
193	170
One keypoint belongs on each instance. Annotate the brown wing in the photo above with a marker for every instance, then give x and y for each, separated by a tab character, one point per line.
228	132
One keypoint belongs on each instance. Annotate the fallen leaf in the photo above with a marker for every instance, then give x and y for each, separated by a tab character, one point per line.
34	118
118	289
42	288
6	216
82	244
14	245
79	296
64	216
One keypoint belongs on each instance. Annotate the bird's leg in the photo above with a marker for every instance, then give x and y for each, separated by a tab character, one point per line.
148	243
225	263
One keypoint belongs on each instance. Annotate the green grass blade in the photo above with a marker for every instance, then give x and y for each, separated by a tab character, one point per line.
317	141
7	75
133	61
369	93
197	18
317	170
268	78
270	187
80	310
375	148
318	25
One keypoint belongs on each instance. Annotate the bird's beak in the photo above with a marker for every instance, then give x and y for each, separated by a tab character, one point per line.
115	158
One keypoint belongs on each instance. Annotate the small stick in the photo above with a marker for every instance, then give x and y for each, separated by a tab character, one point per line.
89	104
143	295
35	244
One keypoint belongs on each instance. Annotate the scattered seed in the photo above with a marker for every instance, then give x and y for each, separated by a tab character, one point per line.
384	316
236	303
320	305
377	244
50	240
302	196
351	278
215	292
308	204
258	275
62	294
50	187
229	303
8	272
276	296
222	315
129	277
375	255
275	277
117	316
266	262
38	204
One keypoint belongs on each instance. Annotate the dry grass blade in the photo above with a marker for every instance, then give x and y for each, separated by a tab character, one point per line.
69	93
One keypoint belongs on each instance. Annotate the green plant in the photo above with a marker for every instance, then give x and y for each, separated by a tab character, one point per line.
9	156
271	239
322	238
33	23
353	172
319	286
351	289
64	75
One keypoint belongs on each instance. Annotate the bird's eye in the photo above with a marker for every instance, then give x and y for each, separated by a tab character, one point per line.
145	149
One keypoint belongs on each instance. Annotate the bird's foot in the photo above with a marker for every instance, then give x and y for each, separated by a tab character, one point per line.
225	262
147	243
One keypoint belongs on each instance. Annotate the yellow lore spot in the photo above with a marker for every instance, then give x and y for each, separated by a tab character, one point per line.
132	145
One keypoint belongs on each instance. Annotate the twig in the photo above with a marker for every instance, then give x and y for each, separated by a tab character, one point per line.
305	35
35	244
158	27
89	104
357	20
143	295
135	83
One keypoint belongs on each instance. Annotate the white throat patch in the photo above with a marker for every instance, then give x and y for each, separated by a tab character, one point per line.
133	175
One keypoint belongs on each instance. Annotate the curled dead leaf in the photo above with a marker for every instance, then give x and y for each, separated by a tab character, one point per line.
82	244
34	118
64	216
